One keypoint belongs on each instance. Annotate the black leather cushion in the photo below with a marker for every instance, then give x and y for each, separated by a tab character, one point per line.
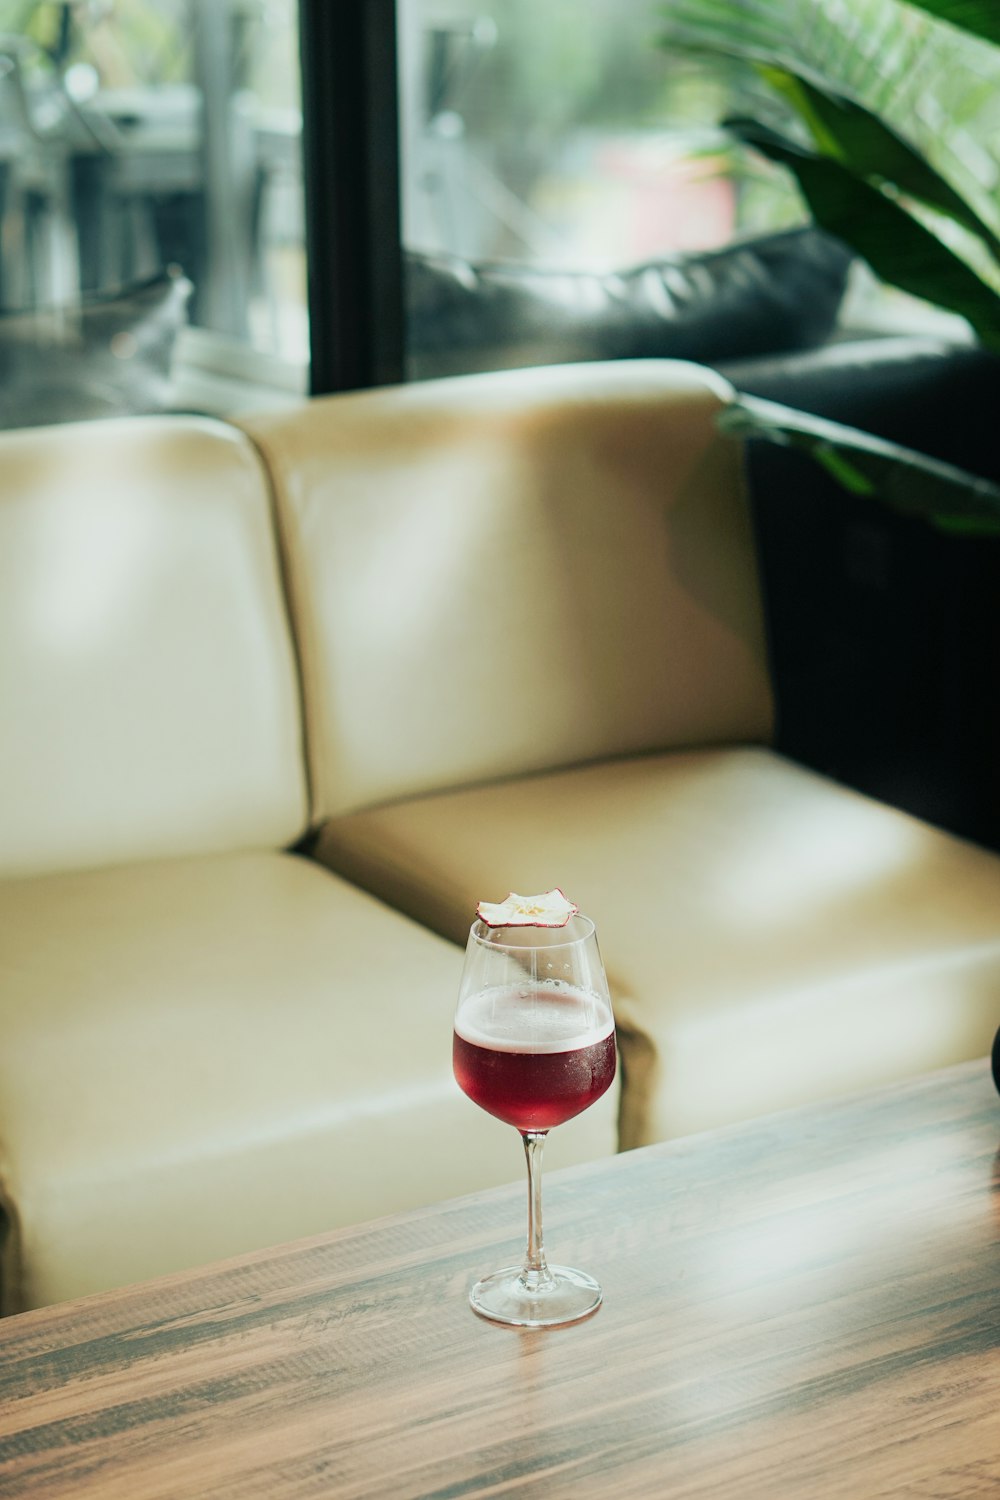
769	294
109	357
920	390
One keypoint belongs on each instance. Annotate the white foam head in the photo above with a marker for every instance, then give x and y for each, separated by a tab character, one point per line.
534	1018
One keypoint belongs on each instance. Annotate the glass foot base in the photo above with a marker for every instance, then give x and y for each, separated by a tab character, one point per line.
509	1296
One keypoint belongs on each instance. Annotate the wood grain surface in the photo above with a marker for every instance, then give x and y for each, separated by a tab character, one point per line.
806	1306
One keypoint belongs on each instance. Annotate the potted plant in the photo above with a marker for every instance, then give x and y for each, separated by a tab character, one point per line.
886	115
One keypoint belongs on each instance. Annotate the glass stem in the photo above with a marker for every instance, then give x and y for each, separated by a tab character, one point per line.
536	1273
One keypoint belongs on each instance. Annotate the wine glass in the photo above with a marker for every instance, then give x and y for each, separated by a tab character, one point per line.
534	1045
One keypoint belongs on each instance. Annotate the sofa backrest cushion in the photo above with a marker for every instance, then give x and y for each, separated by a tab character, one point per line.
511	572
149	701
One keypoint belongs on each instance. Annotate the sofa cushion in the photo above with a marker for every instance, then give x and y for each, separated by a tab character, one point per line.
770	937
515	572
112	355
758	295
149	688
200	1057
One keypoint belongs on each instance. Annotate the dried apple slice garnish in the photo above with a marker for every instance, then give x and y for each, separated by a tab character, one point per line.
551	909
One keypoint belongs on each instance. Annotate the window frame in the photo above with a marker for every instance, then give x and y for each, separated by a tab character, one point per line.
351	175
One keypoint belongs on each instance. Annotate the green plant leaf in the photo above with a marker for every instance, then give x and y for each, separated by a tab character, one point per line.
746	21
939	494
898	248
871	148
979	17
844	470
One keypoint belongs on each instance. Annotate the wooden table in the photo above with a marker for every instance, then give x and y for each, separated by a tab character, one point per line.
805	1306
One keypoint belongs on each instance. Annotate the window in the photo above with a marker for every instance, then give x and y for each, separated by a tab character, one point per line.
137	136
555	137
563	135
142	134
543	145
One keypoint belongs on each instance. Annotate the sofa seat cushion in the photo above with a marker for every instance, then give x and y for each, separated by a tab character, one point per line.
203	1056
770	937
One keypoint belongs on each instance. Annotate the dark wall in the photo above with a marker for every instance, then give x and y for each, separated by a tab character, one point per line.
884	631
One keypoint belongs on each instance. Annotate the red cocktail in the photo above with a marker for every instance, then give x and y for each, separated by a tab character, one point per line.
534	1057
534	1044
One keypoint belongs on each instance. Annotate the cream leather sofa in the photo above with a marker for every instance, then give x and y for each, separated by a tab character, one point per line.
281	700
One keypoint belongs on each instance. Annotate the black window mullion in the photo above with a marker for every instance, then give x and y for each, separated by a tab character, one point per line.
351	164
